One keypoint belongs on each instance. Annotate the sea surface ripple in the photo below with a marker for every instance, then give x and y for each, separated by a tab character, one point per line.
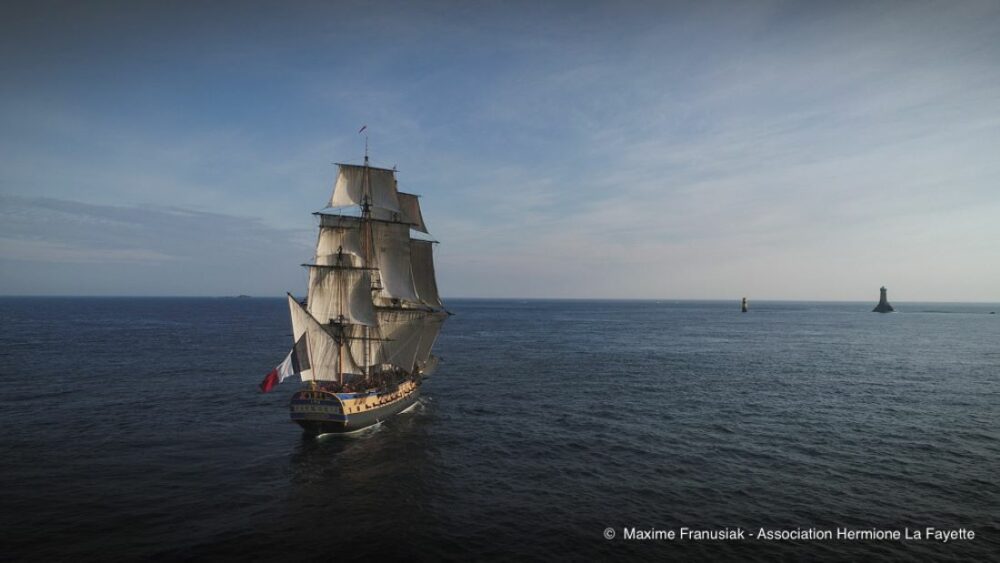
132	428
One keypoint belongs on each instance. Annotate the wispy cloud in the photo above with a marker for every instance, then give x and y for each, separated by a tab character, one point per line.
846	145
50	245
28	250
777	149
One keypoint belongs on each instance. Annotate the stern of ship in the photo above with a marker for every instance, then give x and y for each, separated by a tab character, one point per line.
326	412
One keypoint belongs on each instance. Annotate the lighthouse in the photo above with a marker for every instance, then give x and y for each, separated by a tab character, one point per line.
883	303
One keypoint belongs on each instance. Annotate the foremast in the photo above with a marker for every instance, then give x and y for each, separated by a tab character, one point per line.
372	288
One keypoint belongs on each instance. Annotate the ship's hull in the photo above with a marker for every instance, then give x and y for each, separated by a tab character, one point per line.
322	412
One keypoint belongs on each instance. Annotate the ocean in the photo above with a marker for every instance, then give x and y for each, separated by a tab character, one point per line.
132	428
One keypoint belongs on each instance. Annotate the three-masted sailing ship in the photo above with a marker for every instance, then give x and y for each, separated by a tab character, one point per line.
364	334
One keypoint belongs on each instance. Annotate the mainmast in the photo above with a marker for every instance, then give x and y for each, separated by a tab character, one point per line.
366	251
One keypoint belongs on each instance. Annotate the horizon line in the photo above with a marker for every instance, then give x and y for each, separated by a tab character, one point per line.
469	298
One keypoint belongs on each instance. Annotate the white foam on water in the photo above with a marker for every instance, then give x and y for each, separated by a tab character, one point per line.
360	432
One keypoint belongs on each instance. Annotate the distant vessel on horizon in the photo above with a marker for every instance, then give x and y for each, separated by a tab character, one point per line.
363	336
883	303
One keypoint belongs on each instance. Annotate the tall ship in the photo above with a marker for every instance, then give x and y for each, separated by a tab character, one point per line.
364	334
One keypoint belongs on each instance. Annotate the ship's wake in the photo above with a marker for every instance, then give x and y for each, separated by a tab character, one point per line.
360	433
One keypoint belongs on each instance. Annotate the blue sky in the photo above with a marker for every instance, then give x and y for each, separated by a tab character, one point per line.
780	150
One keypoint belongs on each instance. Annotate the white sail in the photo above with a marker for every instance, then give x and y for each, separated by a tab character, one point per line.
393	257
401	330
391	252
337	221
429	330
409	205
333	240
324	353
336	293
422	266
370	357
350	187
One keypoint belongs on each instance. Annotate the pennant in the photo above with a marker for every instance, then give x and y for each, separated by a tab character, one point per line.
296	361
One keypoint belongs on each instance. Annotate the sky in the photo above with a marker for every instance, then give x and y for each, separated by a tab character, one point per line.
658	150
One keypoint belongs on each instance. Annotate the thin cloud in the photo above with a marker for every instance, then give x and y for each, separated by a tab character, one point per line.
785	150
58	246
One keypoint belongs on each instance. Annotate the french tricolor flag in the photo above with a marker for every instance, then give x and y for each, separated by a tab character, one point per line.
296	362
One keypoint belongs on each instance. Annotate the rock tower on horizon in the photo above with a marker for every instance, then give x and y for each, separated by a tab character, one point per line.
883	303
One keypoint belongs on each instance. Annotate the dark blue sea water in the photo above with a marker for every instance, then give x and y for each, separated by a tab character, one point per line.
133	429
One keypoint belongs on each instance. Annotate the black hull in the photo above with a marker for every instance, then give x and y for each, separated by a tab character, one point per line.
339	423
